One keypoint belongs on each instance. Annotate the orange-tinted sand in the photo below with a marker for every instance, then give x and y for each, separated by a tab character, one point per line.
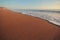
16	26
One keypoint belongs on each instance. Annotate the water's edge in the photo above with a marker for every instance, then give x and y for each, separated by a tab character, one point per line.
53	17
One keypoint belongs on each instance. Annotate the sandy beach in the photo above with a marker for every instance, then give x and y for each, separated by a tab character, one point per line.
17	26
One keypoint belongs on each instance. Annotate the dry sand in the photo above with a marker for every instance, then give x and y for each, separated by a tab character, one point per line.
17	26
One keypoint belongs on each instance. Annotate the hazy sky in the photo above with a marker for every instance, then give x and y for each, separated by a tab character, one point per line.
30	4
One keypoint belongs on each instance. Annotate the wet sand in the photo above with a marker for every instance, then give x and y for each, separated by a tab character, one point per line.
17	26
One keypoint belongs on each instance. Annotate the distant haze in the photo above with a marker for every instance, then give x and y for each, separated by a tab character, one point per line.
30	4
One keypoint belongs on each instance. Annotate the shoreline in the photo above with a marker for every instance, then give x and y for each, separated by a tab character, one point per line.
38	18
42	19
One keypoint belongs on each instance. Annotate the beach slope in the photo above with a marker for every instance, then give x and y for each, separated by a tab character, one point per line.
17	26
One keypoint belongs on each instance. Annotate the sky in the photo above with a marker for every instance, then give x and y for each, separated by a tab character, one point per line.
30	4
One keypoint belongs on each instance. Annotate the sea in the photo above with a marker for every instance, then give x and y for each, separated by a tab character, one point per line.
52	16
